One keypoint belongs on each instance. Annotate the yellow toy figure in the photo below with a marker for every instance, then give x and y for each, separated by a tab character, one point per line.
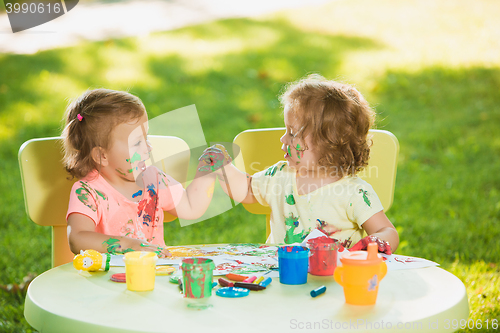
91	261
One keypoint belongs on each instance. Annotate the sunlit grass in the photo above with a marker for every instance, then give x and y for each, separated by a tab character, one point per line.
431	69
482	281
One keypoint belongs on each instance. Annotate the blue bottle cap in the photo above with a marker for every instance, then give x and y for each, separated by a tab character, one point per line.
232	292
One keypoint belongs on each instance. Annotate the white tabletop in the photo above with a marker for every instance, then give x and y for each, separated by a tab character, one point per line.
416	300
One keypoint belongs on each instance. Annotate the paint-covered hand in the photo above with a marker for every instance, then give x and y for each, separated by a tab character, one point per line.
163	253
383	246
160	251
122	245
214	158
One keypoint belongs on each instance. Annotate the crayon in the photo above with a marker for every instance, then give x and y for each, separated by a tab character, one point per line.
236	277
266	282
250	279
259	280
251	286
180	286
318	291
225	283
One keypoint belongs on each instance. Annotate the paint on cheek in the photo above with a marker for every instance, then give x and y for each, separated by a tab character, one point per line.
136	194
130	170
298	151
136	157
120	172
289	151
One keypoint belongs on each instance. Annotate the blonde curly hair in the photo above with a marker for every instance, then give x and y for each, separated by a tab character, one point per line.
336	116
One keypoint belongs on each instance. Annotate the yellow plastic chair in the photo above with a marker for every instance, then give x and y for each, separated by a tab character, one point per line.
46	185
261	148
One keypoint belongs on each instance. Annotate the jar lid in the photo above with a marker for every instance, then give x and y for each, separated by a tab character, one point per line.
362	258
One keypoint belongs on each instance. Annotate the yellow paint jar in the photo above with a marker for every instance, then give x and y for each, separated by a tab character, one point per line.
140	270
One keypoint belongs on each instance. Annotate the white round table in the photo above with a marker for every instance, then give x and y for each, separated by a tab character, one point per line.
416	300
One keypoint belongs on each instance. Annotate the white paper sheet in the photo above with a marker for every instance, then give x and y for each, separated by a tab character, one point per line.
256	265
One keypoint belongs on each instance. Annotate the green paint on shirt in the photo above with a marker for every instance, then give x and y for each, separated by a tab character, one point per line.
365	197
271	171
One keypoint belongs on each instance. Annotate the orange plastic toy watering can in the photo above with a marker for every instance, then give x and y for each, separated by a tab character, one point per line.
360	274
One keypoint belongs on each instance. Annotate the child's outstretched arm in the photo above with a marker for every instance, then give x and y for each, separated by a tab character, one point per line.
235	183
197	196
81	236
380	230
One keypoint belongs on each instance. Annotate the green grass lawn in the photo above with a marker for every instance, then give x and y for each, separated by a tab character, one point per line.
431	69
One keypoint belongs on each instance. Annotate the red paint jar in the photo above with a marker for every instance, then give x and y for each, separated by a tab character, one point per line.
323	258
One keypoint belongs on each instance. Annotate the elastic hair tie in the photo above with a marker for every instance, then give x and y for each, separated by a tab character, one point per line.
79	116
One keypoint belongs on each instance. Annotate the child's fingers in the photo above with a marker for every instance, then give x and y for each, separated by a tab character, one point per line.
160	251
210	153
165	253
383	246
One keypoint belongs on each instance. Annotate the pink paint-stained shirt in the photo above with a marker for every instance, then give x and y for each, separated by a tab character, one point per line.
115	215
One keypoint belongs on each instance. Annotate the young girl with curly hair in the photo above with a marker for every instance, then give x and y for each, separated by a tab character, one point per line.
325	145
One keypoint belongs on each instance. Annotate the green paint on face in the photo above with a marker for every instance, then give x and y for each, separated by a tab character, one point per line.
130	170
298	151
136	157
289	151
120	172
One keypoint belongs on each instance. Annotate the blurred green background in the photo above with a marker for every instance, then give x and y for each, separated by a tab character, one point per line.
431	69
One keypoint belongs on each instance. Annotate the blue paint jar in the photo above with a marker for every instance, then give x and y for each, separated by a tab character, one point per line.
293	262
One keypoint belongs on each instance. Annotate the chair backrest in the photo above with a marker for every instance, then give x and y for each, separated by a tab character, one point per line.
261	148
46	185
